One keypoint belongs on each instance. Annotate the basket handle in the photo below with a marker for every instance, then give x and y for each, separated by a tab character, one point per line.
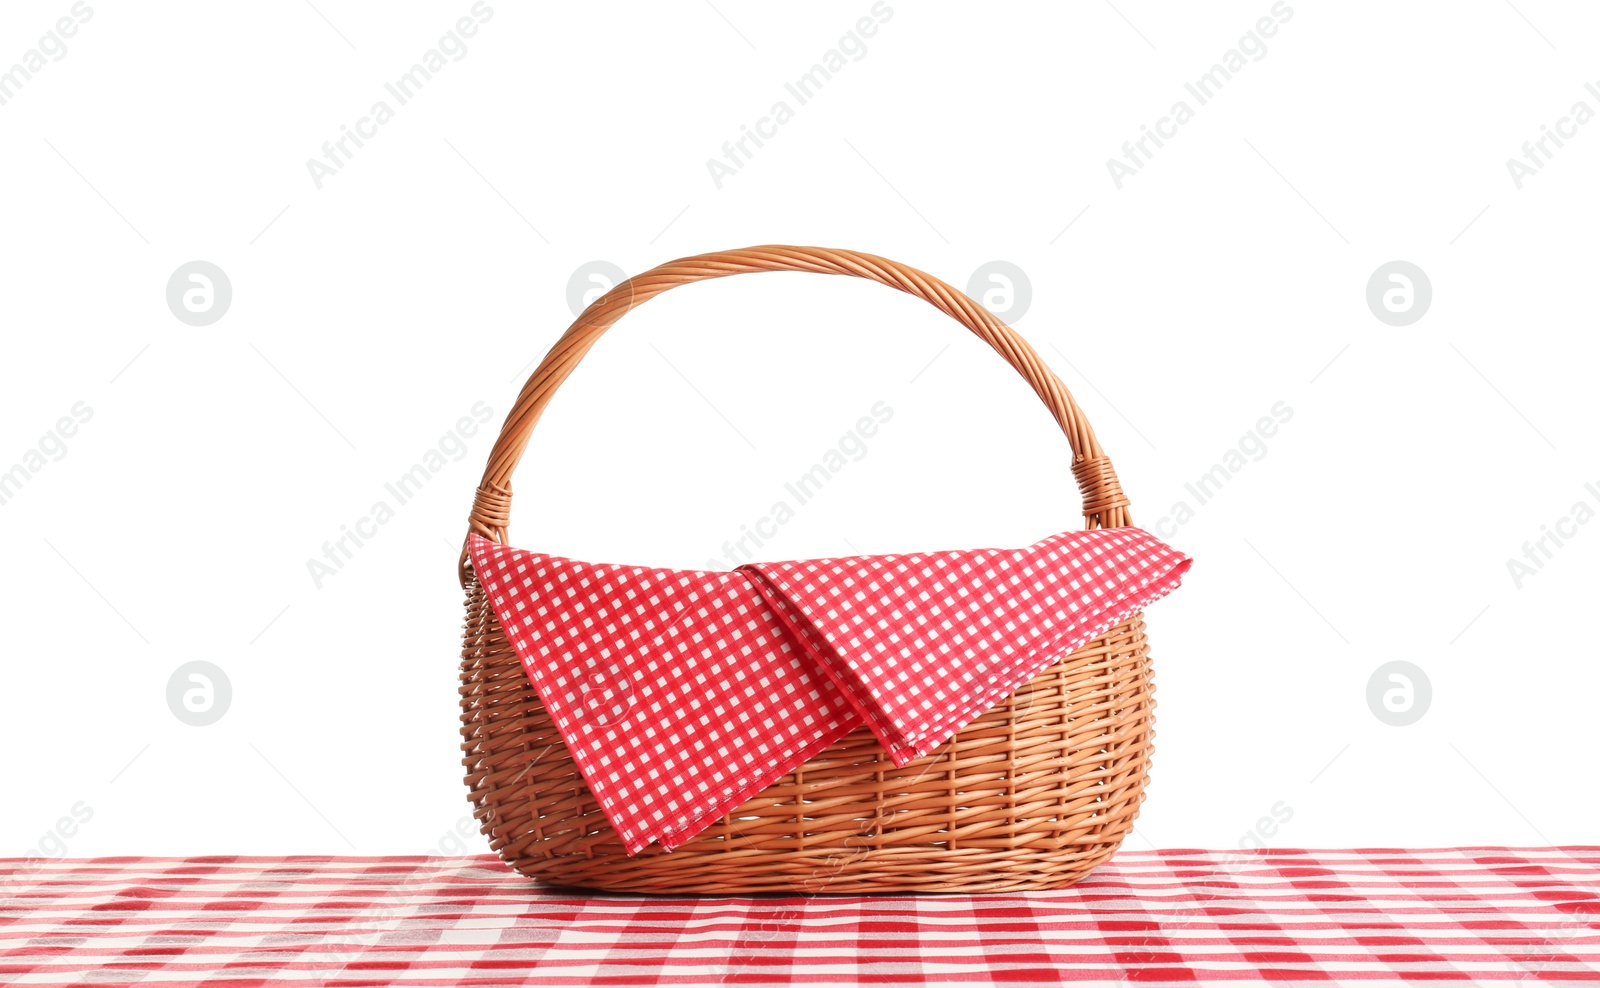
1104	504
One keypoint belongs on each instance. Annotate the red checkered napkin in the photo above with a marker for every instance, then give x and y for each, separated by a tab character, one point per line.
921	644
680	694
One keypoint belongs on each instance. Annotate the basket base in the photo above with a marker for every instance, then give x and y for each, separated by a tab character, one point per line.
885	871
1032	795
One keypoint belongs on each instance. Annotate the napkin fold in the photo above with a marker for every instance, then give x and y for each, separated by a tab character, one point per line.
923	643
682	693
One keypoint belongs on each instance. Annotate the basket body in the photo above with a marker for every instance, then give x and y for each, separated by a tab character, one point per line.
1033	794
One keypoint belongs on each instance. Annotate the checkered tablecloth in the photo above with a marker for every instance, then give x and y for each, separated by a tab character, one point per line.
1473	915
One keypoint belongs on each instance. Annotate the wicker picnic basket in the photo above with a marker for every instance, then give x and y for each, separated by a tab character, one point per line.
1033	794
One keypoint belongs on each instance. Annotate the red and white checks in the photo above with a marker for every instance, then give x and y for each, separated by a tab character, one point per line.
1376	917
682	693
922	644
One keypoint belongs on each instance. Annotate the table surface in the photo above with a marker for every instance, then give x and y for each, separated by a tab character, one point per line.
1474	915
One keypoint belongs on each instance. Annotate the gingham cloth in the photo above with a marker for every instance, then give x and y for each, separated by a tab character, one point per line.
1369	917
682	693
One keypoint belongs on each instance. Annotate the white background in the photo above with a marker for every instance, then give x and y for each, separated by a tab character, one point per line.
368	316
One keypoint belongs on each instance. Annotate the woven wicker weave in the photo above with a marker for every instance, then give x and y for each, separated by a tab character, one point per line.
1031	795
